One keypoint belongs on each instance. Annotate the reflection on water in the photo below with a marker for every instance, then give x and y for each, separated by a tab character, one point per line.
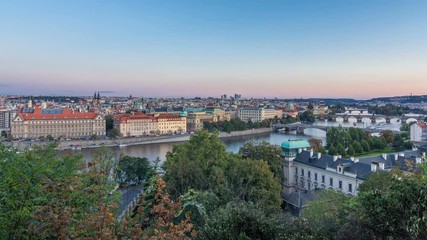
152	151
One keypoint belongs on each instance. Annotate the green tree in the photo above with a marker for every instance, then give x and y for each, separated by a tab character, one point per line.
206	155
244	221
252	180
307	116
133	170
332	150
323	213
394	211
267	152
351	151
388	136
21	181
357	147
158	216
365	146
341	150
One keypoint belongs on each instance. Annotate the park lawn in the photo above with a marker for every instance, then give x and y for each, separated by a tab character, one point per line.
377	153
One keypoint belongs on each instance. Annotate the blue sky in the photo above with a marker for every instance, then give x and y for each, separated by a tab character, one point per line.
284	49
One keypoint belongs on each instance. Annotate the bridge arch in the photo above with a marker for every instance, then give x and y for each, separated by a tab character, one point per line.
395	120
339	119
409	120
313	131
380	120
352	119
366	120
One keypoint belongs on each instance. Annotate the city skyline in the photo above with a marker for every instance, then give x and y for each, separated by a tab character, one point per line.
283	49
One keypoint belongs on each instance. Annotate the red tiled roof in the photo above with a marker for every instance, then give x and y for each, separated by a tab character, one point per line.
135	116
422	124
66	114
169	116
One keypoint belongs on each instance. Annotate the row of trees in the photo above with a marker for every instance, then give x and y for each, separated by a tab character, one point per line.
389	109
354	141
234	124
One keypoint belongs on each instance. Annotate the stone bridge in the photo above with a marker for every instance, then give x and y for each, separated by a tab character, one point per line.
300	127
373	118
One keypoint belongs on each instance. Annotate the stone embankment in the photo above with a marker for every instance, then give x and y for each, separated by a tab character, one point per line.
123	142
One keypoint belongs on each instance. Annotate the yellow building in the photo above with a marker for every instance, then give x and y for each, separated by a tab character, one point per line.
195	120
171	123
35	122
136	124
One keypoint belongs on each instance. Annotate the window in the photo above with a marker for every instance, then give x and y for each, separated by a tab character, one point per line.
309	174
302	172
340	184
331	182
323	178
350	187
296	170
315	176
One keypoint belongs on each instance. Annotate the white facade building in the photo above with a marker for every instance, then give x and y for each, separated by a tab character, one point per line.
256	114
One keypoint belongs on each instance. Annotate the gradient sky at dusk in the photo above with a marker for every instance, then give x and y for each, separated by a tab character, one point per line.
285	49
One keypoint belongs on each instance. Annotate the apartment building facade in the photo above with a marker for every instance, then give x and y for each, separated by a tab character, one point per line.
36	122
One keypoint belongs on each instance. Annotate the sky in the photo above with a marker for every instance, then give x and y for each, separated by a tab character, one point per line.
172	48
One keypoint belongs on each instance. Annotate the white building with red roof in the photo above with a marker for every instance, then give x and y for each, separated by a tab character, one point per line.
36	122
419	132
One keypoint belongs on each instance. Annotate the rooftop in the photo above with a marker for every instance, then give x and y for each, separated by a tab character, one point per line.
295	144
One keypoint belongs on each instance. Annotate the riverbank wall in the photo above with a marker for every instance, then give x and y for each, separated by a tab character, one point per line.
123	142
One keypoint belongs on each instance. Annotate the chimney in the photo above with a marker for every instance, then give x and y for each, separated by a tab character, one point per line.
424	154
381	165
418	160
299	150
311	152
373	167
339	156
396	156
356	160
384	156
401	154
352	159
335	157
319	155
414	148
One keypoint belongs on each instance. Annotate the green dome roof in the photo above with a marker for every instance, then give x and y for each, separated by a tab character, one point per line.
295	144
183	114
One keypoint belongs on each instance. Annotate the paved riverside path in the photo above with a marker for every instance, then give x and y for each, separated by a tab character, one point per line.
127	196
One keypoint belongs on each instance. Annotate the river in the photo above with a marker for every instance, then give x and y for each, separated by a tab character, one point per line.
152	151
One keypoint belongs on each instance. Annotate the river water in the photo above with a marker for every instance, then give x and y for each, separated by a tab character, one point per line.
152	151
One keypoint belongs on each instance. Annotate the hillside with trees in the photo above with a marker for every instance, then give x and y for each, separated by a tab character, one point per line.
204	192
